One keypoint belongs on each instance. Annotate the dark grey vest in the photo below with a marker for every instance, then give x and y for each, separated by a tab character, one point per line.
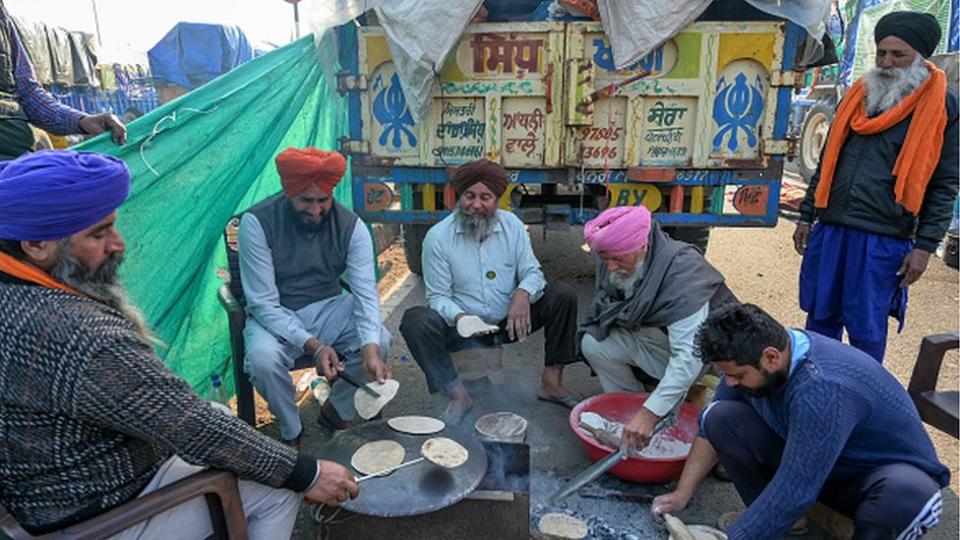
307	266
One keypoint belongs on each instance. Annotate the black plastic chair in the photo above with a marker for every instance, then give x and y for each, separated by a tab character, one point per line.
231	298
940	409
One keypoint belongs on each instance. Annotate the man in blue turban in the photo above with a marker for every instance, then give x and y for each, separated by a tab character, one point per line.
81	389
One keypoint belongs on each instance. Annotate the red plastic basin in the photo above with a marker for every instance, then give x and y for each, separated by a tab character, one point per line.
620	407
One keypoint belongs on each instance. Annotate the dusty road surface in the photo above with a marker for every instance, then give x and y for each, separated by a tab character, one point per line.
760	266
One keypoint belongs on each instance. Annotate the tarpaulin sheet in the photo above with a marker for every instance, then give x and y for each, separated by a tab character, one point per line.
197	161
638	27
192	53
58	56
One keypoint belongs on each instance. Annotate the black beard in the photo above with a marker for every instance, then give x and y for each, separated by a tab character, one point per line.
772	382
309	226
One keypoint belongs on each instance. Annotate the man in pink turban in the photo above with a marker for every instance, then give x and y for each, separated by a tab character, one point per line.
293	248
652	293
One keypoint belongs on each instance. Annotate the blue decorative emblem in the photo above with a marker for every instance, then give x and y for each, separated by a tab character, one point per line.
603	58
390	110
737	107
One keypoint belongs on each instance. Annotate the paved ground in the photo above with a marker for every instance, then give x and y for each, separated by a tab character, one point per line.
761	267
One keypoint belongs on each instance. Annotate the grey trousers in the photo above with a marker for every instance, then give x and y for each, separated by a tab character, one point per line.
268	360
648	349
271	512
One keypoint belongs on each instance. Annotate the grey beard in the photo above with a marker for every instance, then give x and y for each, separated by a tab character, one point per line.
102	285
627	284
887	87
477	226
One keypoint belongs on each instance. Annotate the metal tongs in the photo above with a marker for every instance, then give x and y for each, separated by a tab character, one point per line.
391	469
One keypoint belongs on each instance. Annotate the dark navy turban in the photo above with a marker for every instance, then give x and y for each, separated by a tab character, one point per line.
920	30
53	194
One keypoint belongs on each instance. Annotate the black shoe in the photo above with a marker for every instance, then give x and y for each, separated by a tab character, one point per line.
330	419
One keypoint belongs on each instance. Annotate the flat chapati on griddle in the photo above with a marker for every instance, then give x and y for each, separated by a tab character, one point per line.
368	406
416	425
376	456
556	525
444	452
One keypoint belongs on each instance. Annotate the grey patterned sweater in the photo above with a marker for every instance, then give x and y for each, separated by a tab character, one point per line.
88	413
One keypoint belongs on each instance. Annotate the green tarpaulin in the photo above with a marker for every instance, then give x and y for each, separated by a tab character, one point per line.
196	162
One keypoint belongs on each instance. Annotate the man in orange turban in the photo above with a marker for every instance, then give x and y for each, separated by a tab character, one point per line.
882	195
293	248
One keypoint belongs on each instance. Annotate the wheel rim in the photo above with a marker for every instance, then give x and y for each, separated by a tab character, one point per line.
814	137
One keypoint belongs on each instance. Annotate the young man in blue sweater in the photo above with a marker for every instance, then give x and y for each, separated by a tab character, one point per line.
799	418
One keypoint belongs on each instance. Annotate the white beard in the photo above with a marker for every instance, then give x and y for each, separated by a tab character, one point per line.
478	226
887	87
627	284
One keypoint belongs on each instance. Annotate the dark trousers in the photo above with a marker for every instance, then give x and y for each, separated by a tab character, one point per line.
882	502
431	340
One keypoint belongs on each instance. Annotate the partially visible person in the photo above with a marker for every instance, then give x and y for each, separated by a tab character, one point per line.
293	249
23	101
478	262
800	418
651	294
882	195
90	415
131	114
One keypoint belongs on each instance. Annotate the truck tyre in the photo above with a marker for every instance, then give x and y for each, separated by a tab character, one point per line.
413	234
696	236
816	125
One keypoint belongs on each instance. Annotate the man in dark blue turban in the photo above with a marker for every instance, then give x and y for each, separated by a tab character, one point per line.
82	390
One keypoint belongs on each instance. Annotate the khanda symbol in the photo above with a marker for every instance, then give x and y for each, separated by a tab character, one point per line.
737	106
390	109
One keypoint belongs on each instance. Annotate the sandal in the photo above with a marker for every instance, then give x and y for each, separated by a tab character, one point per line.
567	400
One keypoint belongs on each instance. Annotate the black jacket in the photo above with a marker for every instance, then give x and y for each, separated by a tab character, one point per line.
861	195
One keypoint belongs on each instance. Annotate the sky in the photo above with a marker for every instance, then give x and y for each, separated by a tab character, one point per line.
139	24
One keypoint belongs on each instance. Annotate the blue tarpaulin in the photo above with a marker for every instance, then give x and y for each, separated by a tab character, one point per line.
192	54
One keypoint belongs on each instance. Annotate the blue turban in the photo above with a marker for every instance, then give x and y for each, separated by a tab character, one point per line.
53	194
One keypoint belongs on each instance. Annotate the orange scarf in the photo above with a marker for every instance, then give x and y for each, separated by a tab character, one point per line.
26	272
921	148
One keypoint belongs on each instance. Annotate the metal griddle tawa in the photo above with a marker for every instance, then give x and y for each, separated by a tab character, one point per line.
418	489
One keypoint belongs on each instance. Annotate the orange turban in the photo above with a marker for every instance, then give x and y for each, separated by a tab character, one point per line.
301	168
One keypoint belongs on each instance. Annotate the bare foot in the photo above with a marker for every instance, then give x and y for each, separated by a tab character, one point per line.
551	385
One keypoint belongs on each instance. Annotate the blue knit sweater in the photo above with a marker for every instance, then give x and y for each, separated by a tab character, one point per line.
841	414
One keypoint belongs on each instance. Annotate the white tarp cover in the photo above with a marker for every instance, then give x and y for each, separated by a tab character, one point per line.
635	28
420	34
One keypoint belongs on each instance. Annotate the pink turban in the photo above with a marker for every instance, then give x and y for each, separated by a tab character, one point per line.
618	231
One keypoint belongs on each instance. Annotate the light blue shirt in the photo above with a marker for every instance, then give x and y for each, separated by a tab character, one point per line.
799	345
462	275
263	298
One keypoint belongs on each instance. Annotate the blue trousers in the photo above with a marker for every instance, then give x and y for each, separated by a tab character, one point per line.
848	279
